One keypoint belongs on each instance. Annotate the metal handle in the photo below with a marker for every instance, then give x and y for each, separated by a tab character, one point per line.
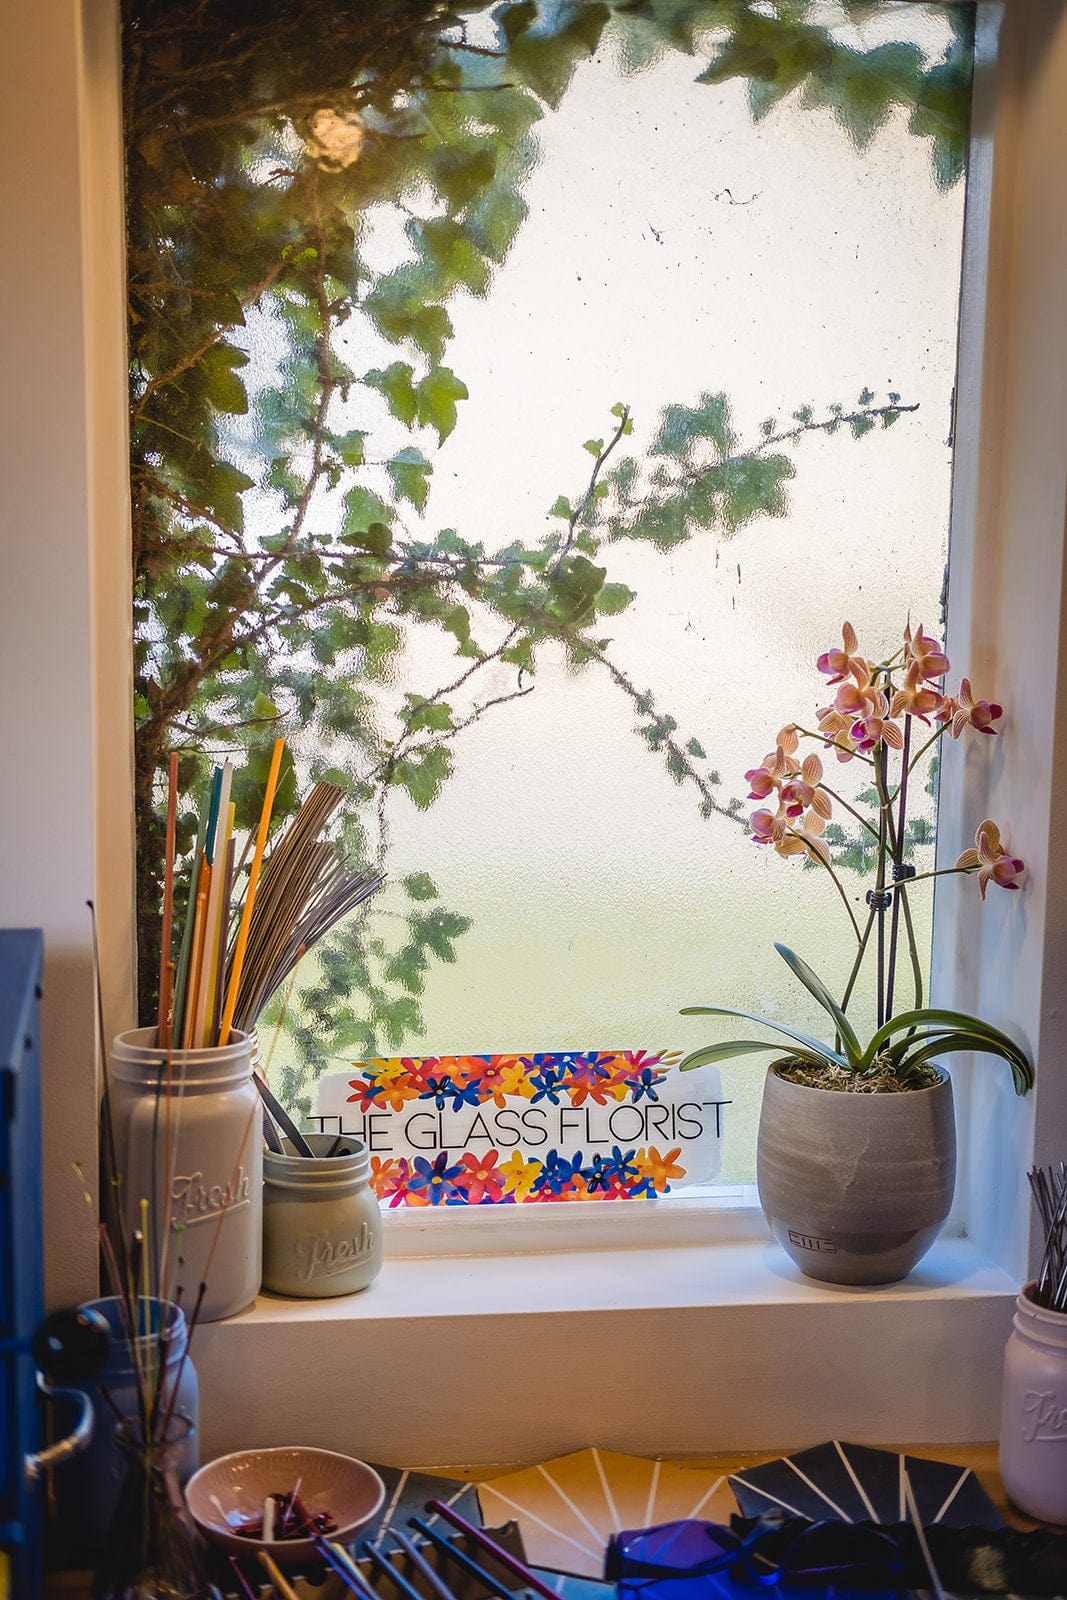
75	1441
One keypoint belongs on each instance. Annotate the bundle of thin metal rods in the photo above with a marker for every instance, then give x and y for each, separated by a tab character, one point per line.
306	887
1050	1196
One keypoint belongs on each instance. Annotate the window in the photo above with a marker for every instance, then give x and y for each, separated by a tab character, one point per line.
589	371
1006	609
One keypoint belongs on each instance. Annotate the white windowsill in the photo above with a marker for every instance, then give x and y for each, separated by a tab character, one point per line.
697	1215
682	1349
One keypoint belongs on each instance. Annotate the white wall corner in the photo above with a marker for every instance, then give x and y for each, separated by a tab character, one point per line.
62	494
1007	960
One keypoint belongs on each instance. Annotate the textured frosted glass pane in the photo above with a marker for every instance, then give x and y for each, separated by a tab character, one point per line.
676	247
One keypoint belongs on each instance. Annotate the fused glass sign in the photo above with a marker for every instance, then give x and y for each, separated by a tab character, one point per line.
516	1128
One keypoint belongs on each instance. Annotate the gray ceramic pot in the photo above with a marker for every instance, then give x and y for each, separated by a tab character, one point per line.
855	1186
322	1229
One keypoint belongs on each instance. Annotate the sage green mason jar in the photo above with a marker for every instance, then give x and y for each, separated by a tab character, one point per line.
322	1229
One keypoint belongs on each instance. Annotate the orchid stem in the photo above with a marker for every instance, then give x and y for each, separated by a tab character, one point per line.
839	800
854	974
942	872
834	744
824	862
898	862
917	757
913	949
879	888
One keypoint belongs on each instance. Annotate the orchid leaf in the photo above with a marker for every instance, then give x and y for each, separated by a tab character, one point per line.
823	1051
983	1036
742	1047
917	1052
1021	1071
816	987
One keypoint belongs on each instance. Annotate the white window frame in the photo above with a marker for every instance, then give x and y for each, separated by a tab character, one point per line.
585	1336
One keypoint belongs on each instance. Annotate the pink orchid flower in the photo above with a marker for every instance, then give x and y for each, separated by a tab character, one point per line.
915	700
992	860
870	731
853	701
766	827
972	713
840	664
924	653
803	791
836	729
805	840
768	777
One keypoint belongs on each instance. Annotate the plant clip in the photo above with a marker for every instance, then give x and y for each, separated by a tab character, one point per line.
902	870
879	899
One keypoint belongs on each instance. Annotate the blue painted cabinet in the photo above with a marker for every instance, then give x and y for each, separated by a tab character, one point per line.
21	1255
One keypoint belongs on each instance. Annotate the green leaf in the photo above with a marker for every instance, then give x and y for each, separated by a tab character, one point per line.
562	508
589	24
695	748
815	986
249	784
423	774
349	447
740	1047
594	446
456	619
400	313
463	176
815	1046
222	489
221	384
753	487
454	253
515	19
986	1039
574	587
395	383
495	220
438	930
435	400
364	510
681	425
410	472
420	886
430	716
613	598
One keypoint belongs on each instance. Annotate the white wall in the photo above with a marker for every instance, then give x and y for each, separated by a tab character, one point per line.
65	817
1007	961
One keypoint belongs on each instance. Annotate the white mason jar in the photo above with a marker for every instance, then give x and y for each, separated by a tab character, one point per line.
322	1229
1033	1419
188	1139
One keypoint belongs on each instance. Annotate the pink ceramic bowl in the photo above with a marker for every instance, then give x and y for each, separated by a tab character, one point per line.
233	1489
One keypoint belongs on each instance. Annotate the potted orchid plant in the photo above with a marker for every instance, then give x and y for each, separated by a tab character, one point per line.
857	1183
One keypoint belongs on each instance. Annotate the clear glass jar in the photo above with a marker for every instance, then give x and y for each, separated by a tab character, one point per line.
187	1135
87	1489
1033	1418
152	1551
322	1229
